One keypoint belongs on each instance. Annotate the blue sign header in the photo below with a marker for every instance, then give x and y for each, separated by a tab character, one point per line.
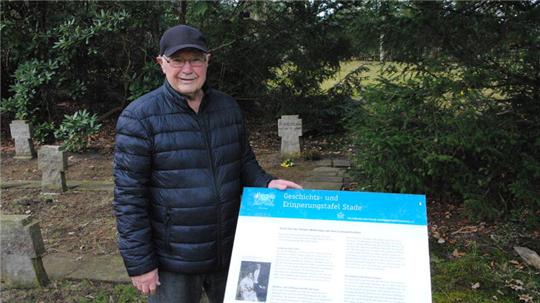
334	205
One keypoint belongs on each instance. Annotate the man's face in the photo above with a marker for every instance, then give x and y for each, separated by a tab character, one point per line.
189	78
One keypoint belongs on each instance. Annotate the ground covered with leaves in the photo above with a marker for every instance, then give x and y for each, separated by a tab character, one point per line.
470	261
475	262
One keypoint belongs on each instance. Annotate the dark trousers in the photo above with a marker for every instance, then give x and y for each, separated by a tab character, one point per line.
182	288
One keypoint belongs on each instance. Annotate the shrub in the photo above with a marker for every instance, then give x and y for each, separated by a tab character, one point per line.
58	52
76	129
44	132
428	135
31	77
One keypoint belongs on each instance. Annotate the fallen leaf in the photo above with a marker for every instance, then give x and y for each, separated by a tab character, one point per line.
457	254
475	285
526	298
516	285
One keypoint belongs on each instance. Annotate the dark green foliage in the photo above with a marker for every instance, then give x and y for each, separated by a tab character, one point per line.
103	53
461	123
76	129
87	52
44	132
418	137
29	90
277	53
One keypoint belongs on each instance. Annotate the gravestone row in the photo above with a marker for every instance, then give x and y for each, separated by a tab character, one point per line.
53	162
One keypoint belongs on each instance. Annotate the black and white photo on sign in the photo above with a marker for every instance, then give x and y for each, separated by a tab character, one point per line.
253	281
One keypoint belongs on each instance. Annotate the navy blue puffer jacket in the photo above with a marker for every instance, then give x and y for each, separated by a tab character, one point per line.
178	179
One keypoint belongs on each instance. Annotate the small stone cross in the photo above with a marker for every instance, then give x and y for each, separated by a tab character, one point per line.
22	249
53	164
290	131
21	132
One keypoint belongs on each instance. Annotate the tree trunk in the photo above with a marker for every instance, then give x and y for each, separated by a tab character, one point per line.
182	11
382	54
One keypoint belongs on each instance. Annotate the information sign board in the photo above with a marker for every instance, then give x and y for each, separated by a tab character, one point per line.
330	246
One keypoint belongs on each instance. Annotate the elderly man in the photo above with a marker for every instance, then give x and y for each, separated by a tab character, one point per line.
181	160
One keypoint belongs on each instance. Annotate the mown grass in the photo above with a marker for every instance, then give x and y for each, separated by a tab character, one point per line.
371	74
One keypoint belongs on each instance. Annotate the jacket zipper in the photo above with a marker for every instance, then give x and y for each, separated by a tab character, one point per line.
168	229
203	125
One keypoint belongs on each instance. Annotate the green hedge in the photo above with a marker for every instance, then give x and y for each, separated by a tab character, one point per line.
431	135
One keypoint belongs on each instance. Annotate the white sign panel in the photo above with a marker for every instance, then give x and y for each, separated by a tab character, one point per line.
330	246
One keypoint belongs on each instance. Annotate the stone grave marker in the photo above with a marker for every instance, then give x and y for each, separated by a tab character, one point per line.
21	132
22	249
290	131
53	164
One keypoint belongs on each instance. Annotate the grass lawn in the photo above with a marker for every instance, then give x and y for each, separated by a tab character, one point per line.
374	70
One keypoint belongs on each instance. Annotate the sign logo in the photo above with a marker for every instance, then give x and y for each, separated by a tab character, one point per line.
260	199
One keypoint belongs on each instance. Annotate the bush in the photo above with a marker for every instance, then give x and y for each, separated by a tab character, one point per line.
430	135
76	129
29	89
44	132
58	52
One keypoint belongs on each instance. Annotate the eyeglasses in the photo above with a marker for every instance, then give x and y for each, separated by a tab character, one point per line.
181	62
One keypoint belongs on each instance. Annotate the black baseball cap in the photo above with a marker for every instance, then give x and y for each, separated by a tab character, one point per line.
181	37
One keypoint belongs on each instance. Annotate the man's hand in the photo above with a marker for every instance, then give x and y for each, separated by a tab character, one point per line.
147	283
283	184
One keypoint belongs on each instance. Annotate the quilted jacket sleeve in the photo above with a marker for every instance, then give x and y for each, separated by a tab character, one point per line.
132	171
252	173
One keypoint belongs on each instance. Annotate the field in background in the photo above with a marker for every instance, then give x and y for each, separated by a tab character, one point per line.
373	72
